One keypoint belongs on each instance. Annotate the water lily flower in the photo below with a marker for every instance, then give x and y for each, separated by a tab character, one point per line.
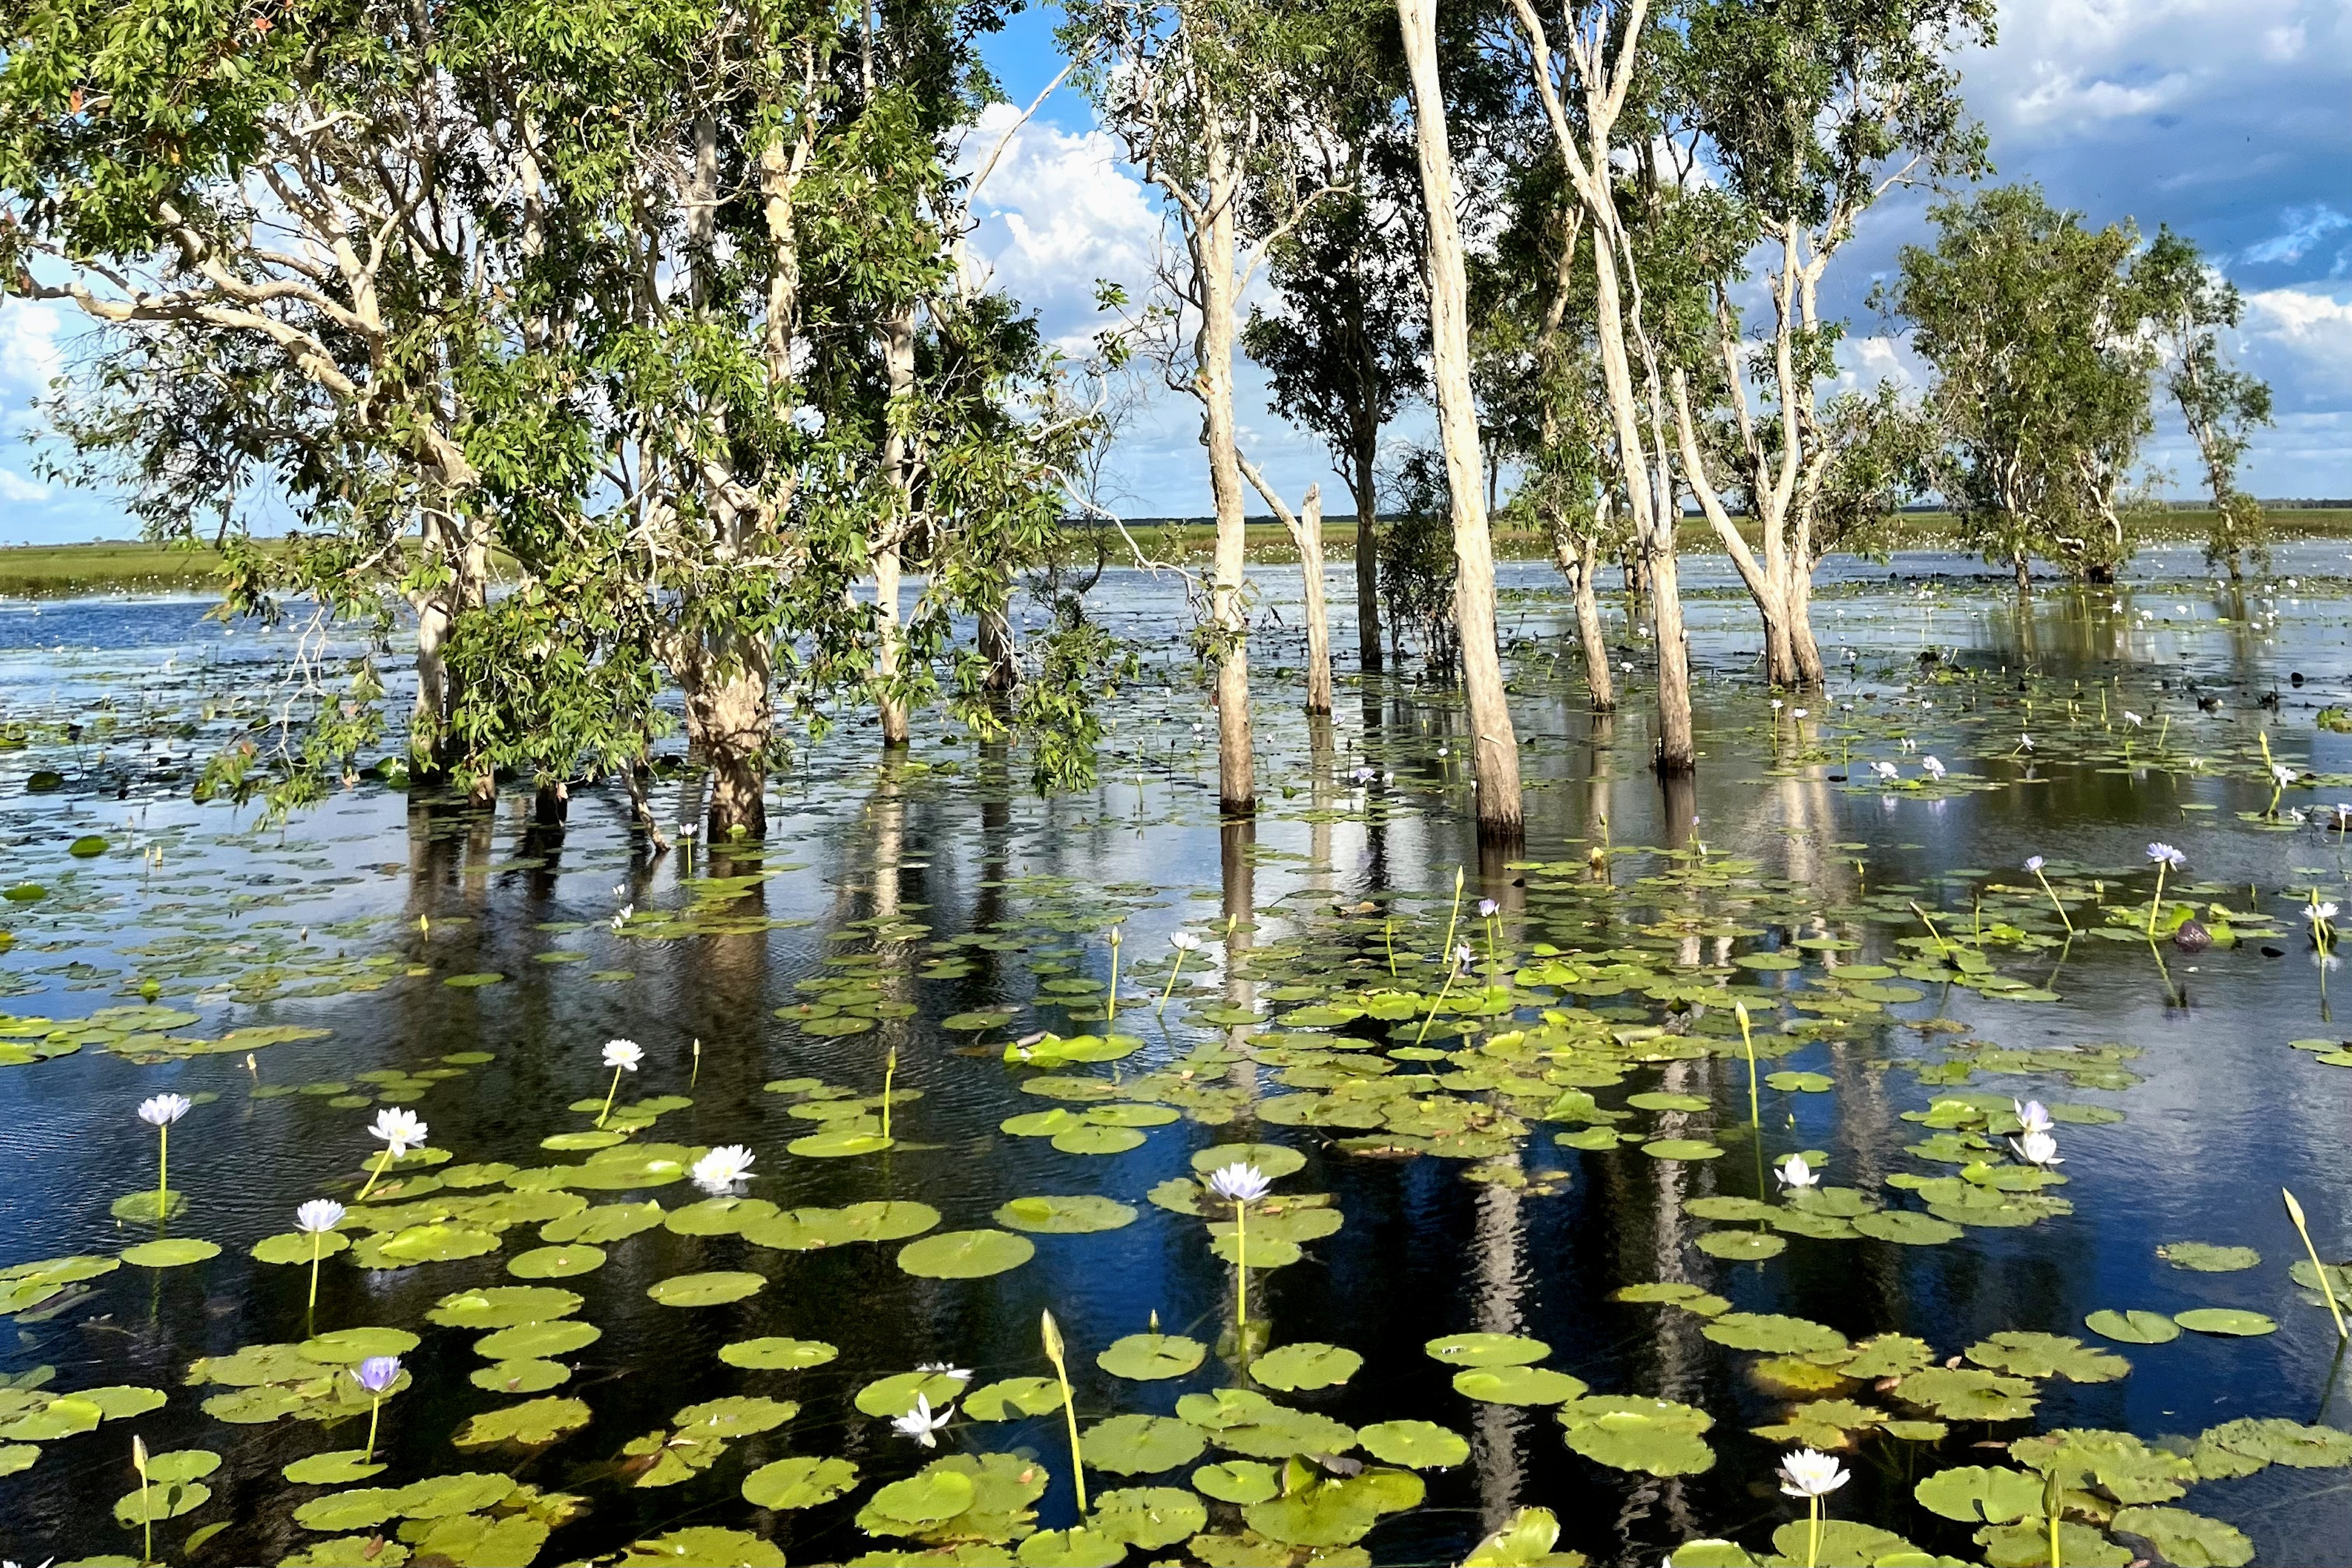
1810	1473
2167	854
2034	863
2037	1149
1795	1175
919	1423
1884	769
159	1112
400	1128
1801	713
2032	1115
2025	742
621	916
1776	705
1462	955
1239	1182
2319	914
163	1110
1184	942
1935	770
720	1170
621	1056
2284	775
376	1375
2132	719
317	1216
946	1368
1486	909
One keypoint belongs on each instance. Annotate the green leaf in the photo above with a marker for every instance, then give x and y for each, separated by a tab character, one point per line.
1009	1397
965	1254
537	1342
176	1252
2133	1327
2229	1320
1238	1481
1140	1444
777	1354
2187	1540
1150	1358
1064	1215
1774	1334
1076	1547
712	1290
503	1307
895	1395
2024	1354
1416	1445
1150	1518
1525	1541
798	1482
532	1424
1657	1437
1979	1494
1517	1384
2206	1258
1305	1365
1487	1350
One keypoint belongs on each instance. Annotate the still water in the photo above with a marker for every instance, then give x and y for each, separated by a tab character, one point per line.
912	919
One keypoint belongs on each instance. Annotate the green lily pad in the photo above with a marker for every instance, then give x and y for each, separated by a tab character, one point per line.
1773	1333
155	1503
734	1416
2133	1327
895	1395
2275	1442
810	1229
1140	1444
1273	1161
173	1252
698	1546
1009	1397
1965	1393
1487	1350
1906	1227
536	1341
965	1254
2187	1540
1416	1445
1978	1494
2024	1354
1742	1246
532	1424
503	1307
2207	1258
1064	1215
1148	1358
1305	1365
295	1248
608	1223
2228	1320
1682	1149
711	1217
1517	1384
798	1482
336	1469
556	1262
1076	1547
1150	1518
1091	1138
349	1347
839	1142
1657	1437
777	1354
521	1376
1238	1481
712	1290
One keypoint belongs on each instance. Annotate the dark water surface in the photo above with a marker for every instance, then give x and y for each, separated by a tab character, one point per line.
354	918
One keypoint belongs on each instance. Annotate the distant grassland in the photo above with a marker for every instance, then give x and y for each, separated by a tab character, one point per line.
67	570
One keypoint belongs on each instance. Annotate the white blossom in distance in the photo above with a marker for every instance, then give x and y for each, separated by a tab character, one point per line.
1810	1473
1934	769
720	1169
1795	1175
163	1110
1184	942
399	1128
1239	1182
919	1423
2037	1149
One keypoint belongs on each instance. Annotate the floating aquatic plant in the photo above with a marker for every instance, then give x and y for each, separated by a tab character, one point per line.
376	1375
621	1056
1184	942
159	1112
922	1423
2167	858
1240	1185
1810	1474
719	1172
401	1132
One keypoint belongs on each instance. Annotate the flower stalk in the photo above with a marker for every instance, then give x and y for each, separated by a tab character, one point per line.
2328	1291
1054	1353
1754	1116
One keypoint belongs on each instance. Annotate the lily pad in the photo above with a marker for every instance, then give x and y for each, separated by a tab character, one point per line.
2207	1258
172	1252
1773	1333
777	1354
1906	1227
1487	1350
1148	1358
798	1482
1978	1494
1742	1246
2185	1539
532	1424
535	1341
712	1290
1416	1445
1517	1384
1305	1365
965	1254
1009	1397
335	1468
1682	1149
2025	1354
1657	1437
1150	1518
556	1262
2133	1327
349	1347
2228	1320
1273	1161
1140	1444
1064	1215
1238	1481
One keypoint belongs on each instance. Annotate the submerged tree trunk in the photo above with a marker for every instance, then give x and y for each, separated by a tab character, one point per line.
1578	563
1307	532
728	724
897	333
1213	247
1494	741
2024	576
1361	483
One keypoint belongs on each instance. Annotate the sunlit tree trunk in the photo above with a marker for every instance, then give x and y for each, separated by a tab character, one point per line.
1494	743
885	557
1214	250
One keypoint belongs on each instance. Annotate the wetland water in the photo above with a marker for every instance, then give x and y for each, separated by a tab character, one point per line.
1559	1151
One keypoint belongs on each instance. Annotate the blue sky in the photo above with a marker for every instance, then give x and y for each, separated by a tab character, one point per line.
2226	119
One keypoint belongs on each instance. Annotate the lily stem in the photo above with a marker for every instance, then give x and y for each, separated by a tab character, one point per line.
2053	900
382	1160
608	1096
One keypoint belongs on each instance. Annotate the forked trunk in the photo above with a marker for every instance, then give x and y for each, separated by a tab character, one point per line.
1578	568
1495	742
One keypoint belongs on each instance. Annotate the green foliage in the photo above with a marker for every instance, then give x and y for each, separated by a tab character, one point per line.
1417	561
2221	404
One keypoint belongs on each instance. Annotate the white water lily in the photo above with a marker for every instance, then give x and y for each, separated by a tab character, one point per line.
2319	914
2167	854
2033	1116
1884	769
400	1130
1801	713
1810	1473
1184	942
2037	1149
1462	955
624	1054
1239	1182
1795	1175
317	1216
2281	771
1487	907
2132	719
163	1110
919	1423
1935	770
720	1169
2033	863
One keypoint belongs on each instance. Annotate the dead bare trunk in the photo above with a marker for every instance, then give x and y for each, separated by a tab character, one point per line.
1578	565
1367	556
1495	742
1213	247
1305	528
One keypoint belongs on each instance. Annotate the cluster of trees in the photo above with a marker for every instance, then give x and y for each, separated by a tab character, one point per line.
655	314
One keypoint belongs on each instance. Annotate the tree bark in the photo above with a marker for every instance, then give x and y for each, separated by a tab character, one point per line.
1307	532
897	333
2024	576
1577	563
1495	742
1213	245
1366	490
728	722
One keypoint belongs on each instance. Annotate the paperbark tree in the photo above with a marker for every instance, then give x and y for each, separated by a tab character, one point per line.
1305	530
2220	403
1601	55
1197	91
1807	115
2041	340
1496	744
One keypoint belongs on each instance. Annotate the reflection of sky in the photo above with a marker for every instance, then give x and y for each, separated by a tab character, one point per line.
2227	1114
